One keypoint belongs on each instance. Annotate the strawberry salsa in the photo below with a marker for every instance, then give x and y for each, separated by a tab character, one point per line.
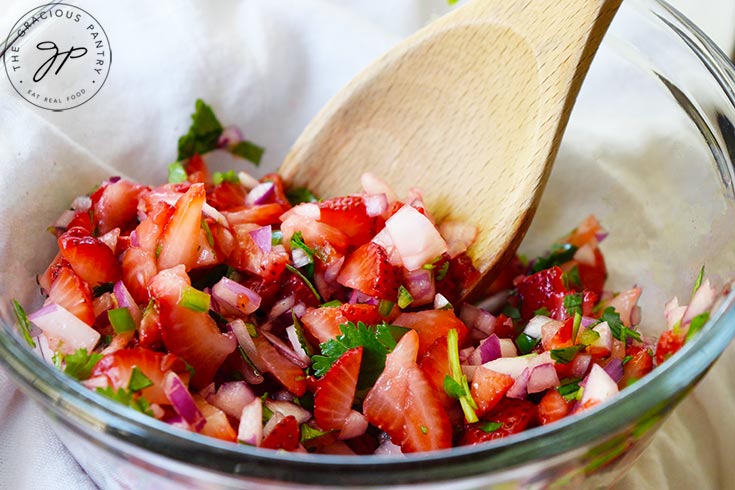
254	313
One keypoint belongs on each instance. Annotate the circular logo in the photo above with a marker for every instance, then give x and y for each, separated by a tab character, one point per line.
57	56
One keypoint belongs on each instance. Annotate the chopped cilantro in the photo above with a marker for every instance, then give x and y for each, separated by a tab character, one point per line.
24	326
335	303
126	398
79	364
102	288
138	380
298	195
424	430
455	371
573	303
306	280
542	311
297	242
389	335
208	233
442	272
373	341
696	325
570	390
512	312
404	297
566	355
626	359
571	278
619	331
203	134
248	150
488	427
195	300
176	173
308	433
559	254
300	335
526	343
229	176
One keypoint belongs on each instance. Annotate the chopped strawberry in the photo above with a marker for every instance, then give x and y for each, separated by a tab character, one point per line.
178	242
149	231
504	327
593	276
544	289
249	257
49	275
149	333
431	325
118	368
117	206
189	334
263	214
488	388
227	195
91	259
169	193
138	268
461	274
317	236
348	214
553	407
279	193
426	425
369	271
336	391
639	364
287	373
669	344
367	314
296	286
224	240
70	292
284	435
206	254
515	416
435	366
83	219
197	170
504	279
323	323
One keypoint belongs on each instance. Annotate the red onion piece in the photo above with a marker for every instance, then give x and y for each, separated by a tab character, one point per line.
459	235
440	301
355	425
260	194
59	324
247	180
375	204
614	369
542	377
580	364
231	135
63	220
603	344
535	326
508	348
210	211
298	309
488	350
299	257
414	237
387	448
246	342
598	387
362	298
624	303
250	430
600	236
287	408
585	255
134	241
281	307
293	338
420	283
263	238
286	351
520	387
512	366
81	203
702	301
330	275
235	298
178	421
232	397
673	312
282	395
125	300
372	184
182	401
464	354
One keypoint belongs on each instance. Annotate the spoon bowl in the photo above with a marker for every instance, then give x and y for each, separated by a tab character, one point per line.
471	109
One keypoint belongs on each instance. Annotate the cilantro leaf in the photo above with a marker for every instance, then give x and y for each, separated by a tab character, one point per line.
570	390
389	335
203	134
573	303
138	380
512	312
571	278
24	325
176	173
124	397
229	176
308	433
566	355
442	272
453	388
248	150
297	242
559	254
619	331
79	364
298	195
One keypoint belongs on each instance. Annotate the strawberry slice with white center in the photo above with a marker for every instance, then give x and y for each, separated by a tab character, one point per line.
178	243
117	205
431	325
71	293
349	215
138	268
369	271
336	391
91	258
426	426
191	335
148	232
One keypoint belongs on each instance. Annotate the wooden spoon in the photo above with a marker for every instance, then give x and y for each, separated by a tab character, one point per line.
471	109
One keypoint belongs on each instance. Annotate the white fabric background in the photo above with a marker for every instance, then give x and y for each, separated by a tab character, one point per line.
165	55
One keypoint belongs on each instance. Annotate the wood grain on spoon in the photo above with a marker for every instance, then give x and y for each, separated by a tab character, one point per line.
471	109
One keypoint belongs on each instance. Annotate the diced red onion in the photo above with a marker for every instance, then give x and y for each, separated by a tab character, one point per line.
64	219
362	298
282	395
387	448
293	338
600	236
332	271
110	239
287	408
512	366
420	284
375	204
210	211
478	320
604	341
534	326
231	135
598	387
585	255
624	304
488	350
542	377
587	321
101	381
234	297
548	331
355	425
59	324
520	387
469	371
81	203
134	241
286	351
299	309
372	184
281	307
263	238
440	301
614	369
415	237
702	301
272	422
232	397
673	312
247	180
494	303
182	401
260	194
464	354
125	300
250	430
246	342
299	257
508	348
580	364
177	421
459	235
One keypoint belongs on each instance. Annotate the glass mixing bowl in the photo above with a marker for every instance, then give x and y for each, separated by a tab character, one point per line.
648	150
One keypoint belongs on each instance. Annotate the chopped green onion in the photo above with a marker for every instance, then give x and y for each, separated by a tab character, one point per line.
138	380
570	390
24	325
575	325
696	325
488	427
195	300
404	297
588	337
455	371
335	303
176	173
385	307
452	388
698	282
626	359
526	343
121	320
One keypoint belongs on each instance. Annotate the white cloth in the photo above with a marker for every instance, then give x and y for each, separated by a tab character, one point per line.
267	66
